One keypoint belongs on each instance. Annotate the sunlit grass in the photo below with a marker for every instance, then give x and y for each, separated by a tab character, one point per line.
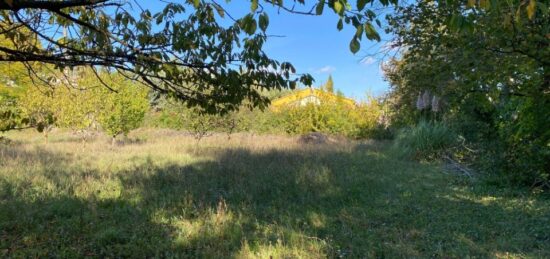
163	194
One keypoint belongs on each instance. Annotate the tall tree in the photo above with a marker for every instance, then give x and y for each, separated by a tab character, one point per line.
488	61
329	85
14	80
184	42
79	99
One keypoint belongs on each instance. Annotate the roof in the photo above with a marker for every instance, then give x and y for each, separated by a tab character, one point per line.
308	92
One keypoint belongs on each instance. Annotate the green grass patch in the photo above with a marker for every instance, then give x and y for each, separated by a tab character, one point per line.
252	197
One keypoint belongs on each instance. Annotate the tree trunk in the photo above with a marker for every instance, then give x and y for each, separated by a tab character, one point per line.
113	141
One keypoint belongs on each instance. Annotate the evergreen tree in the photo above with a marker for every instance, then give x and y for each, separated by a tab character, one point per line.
329	85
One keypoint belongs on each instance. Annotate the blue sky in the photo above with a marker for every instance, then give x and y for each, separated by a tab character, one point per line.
314	45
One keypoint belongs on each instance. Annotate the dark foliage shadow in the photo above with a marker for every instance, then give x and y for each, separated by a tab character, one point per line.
63	225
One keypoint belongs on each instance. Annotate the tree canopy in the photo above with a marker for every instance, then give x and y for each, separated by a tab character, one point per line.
483	68
182	50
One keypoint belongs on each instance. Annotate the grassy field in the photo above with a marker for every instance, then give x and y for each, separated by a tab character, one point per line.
163	195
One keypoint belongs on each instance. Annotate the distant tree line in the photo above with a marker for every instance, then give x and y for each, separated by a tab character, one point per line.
366	120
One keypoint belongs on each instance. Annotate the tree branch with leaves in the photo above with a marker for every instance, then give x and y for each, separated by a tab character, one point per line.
184	42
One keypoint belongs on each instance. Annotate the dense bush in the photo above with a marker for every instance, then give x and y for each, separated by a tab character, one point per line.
363	121
176	115
372	119
519	149
326	118
491	89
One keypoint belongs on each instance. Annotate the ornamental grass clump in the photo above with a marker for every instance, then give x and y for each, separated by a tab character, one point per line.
426	140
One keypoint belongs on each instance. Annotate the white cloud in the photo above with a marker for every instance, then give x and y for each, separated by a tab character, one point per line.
325	70
368	61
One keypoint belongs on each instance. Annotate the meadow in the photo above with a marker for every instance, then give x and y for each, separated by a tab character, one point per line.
161	193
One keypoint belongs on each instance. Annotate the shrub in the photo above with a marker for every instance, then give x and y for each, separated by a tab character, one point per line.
519	152
326	118
362	121
427	140
372	120
124	110
164	119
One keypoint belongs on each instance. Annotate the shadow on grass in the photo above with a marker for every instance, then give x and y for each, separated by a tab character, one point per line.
313	202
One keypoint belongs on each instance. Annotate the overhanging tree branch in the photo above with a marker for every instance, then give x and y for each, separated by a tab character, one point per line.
182	49
15	5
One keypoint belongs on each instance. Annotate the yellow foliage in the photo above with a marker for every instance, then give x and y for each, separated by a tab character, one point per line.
298	96
334	116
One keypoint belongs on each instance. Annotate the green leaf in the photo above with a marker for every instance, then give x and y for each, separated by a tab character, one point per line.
354	45
361	4
340	25
248	24
531	9
518	15
220	10
292	85
263	21
320	6
456	21
348	6
338	8
371	32
359	31
196	3
254	5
